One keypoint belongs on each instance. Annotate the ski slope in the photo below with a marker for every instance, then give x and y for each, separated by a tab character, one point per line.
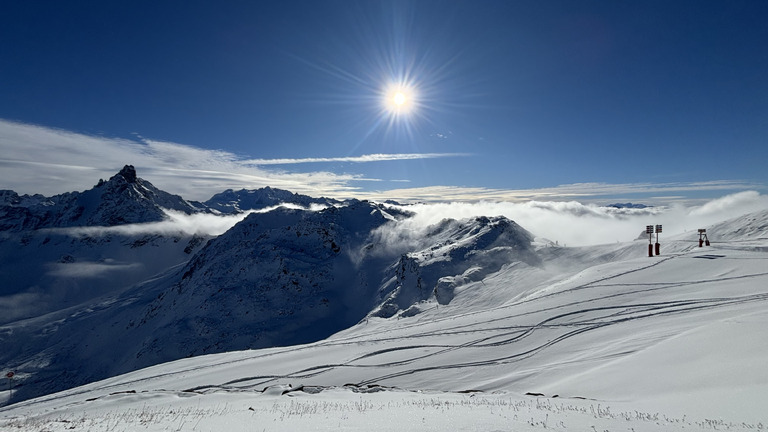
599	338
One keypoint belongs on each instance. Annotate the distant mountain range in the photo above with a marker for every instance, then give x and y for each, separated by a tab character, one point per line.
127	199
232	202
628	205
123	199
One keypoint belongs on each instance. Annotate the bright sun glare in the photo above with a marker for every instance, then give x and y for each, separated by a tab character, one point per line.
399	100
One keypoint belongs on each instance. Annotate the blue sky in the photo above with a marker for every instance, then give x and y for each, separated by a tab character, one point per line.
597	101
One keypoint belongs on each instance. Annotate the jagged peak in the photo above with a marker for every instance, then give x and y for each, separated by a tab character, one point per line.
128	173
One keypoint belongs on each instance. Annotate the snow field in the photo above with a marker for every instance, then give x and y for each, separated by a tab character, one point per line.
345	410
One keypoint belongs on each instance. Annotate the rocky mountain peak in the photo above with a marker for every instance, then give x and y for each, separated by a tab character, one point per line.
128	173
124	198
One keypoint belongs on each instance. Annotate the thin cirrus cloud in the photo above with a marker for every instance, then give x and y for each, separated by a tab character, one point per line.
38	159
376	157
666	192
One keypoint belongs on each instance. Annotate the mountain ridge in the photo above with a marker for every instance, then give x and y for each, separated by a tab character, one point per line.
123	199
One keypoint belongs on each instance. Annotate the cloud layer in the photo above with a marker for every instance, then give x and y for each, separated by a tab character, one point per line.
176	223
575	224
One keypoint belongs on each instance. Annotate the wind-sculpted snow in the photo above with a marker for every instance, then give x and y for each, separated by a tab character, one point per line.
750	227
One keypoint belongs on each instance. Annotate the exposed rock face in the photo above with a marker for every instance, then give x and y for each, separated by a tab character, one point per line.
128	173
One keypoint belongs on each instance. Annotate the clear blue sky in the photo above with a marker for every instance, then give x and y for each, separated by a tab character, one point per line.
648	100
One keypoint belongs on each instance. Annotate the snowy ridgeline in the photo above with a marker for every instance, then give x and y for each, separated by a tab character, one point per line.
352	293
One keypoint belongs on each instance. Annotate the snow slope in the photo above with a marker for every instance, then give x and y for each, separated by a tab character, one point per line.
629	342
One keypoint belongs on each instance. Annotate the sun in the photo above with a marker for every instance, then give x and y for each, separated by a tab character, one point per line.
399	99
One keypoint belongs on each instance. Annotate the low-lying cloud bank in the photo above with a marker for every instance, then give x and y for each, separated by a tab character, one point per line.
576	224
177	223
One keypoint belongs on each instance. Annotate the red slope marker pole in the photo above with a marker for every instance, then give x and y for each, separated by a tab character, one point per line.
649	231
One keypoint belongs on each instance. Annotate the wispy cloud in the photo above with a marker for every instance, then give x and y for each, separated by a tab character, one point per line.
89	269
176	223
665	192
378	157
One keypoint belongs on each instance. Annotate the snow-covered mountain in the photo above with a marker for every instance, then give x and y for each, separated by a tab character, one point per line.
591	338
628	205
56	252
231	202
752	227
123	199
278	278
455	253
